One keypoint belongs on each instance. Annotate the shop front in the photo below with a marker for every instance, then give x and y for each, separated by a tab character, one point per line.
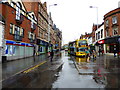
17	50
42	46
111	43
100	46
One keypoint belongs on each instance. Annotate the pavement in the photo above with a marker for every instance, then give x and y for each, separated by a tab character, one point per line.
105	62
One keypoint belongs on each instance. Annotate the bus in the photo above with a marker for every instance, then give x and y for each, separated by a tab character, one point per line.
81	45
71	48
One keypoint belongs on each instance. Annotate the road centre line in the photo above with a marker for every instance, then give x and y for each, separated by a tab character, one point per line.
32	68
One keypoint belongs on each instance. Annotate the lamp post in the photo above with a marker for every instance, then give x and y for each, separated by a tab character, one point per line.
97	19
97	13
49	26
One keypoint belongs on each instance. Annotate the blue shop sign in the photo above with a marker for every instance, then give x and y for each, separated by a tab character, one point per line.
19	44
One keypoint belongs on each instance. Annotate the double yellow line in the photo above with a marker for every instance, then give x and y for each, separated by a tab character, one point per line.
32	68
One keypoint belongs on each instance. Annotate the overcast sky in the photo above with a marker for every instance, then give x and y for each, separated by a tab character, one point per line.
74	17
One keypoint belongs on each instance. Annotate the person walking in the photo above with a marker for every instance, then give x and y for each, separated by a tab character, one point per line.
94	54
99	50
51	55
115	50
88	55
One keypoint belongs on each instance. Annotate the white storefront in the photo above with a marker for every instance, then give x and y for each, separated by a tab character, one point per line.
99	37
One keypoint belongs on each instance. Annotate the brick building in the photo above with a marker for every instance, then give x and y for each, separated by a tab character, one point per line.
20	29
112	30
40	10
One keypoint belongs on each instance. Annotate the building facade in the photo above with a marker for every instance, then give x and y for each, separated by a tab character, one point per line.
112	30
40	10
99	38
20	28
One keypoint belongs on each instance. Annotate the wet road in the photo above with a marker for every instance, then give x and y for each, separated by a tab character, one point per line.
70	72
100	73
69	77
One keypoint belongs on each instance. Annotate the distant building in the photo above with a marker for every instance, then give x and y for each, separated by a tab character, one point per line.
99	38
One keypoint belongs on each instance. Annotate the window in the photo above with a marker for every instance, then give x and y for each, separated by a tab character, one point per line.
98	35
101	33
11	28
107	23
18	11
22	32
107	33
31	35
17	33
115	31
114	20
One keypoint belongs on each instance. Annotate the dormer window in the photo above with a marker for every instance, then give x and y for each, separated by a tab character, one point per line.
17	11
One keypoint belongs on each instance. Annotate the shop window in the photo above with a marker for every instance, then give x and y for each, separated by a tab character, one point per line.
41	49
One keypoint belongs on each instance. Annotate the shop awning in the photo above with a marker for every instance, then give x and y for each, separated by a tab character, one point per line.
114	39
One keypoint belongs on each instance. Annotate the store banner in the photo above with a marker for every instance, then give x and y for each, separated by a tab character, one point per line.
19	44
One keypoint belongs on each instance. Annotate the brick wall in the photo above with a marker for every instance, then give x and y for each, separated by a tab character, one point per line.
108	16
10	15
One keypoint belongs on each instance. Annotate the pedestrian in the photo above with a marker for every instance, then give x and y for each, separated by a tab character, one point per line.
94	54
102	50
87	55
115	50
51	55
99	50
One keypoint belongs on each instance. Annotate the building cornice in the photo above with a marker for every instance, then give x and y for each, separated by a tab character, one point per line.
116	11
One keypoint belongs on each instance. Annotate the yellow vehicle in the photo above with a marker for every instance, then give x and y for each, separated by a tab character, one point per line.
81	45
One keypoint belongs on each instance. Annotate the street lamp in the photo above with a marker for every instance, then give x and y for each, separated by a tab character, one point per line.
97	18
97	13
49	24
